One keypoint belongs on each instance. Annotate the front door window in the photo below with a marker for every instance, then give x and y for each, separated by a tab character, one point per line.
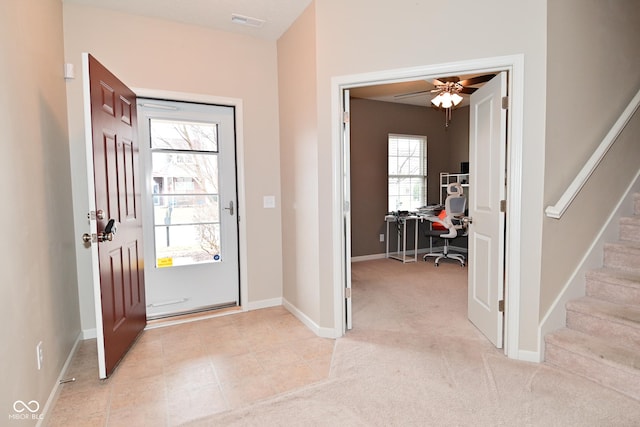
186	206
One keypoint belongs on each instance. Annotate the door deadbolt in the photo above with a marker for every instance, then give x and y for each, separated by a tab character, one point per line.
109	231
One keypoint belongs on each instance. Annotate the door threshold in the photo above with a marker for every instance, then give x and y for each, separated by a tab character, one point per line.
191	317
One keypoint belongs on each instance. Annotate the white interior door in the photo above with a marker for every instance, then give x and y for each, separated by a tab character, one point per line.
487	167
346	143
190	206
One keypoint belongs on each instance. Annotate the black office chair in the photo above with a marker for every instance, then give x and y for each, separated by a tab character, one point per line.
450	225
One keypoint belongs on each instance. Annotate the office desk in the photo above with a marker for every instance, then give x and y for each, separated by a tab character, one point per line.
401	242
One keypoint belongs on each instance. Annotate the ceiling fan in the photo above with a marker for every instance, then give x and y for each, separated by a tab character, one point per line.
453	84
449	92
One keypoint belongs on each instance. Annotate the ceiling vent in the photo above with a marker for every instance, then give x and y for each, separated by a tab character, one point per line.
247	20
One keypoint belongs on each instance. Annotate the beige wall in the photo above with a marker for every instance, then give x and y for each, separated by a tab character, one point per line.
458	140
162	55
371	124
299	164
37	263
593	63
364	36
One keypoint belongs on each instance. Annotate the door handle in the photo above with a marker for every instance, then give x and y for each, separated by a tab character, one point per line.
467	220
230	208
109	231
101	237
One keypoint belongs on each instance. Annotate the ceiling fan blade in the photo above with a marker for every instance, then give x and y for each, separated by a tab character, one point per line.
404	95
443	80
477	80
468	90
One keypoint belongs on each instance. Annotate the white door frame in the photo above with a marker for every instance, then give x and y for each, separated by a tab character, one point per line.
514	64
239	126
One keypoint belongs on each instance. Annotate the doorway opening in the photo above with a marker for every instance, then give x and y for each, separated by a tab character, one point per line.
514	66
189	201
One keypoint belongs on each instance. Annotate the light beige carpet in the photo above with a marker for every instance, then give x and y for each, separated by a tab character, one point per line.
413	359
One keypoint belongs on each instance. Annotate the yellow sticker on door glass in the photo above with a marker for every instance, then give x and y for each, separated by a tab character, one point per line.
165	262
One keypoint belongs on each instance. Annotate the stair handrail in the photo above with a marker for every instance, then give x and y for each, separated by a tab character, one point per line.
556	211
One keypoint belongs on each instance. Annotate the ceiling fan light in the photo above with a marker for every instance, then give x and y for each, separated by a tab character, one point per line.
446	100
437	101
456	99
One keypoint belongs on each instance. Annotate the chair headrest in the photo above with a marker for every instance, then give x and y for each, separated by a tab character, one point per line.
454	188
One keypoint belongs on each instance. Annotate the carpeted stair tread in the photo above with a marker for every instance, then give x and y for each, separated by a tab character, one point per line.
616	276
618	323
630	228
631	220
597	349
614	285
624	254
626	314
624	245
596	359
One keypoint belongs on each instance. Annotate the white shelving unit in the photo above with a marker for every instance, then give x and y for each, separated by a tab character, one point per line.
447	178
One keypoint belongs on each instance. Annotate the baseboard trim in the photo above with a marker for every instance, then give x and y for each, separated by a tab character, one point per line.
367	257
306	320
309	323
54	392
88	334
529	356
265	303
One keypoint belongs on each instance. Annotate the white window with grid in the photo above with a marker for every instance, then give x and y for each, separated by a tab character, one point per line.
407	172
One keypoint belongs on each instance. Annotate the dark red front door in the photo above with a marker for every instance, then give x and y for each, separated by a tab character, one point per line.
117	191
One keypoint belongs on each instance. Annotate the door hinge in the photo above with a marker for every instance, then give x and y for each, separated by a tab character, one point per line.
501	306
505	102
347	292
503	205
347	206
345	117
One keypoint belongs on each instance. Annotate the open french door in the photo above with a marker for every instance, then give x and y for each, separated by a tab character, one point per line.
115	213
346	171
487	148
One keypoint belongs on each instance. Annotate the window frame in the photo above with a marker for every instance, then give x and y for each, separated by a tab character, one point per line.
422	176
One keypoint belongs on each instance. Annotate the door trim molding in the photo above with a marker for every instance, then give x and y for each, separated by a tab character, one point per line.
93	228
514	64
239	131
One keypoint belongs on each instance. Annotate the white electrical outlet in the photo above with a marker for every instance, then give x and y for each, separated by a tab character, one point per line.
40	354
382	237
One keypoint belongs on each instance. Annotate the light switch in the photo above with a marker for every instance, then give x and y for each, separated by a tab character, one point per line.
69	72
269	202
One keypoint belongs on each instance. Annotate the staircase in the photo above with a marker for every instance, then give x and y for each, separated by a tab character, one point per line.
602	338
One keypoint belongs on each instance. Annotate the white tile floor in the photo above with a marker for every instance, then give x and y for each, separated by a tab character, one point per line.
184	372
